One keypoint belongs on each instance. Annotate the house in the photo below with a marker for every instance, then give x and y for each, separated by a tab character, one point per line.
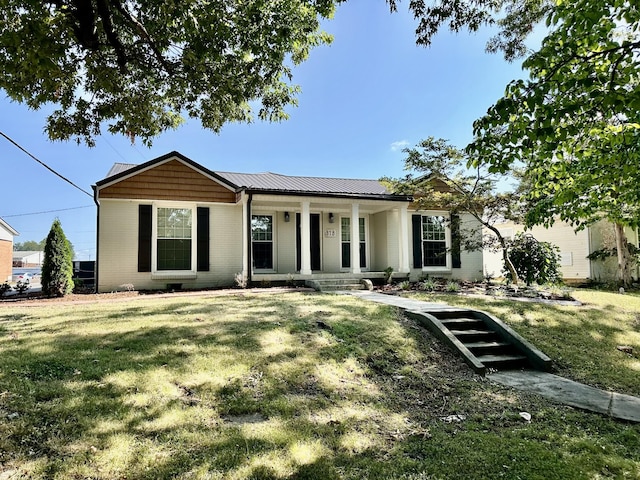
173	222
575	247
28	258
7	232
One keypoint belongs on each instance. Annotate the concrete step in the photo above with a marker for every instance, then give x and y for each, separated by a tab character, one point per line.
489	348
502	361
342	286
463	323
474	335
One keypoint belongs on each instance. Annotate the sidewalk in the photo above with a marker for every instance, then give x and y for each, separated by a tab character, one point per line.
558	389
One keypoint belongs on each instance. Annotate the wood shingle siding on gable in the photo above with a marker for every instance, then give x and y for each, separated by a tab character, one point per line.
172	180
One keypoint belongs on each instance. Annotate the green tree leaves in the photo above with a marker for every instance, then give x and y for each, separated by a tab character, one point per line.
57	267
140	67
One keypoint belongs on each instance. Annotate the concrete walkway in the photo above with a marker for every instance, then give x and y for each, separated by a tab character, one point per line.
558	389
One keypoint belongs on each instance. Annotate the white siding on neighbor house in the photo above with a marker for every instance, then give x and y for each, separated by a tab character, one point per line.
5	234
118	248
574	248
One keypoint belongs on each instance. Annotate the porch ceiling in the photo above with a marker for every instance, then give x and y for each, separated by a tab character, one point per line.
335	205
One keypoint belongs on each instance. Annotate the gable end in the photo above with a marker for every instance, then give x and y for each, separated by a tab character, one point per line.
172	180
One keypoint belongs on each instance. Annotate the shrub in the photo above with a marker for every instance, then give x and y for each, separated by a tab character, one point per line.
406	285
427	285
534	261
388	273
22	287
240	280
453	287
57	266
4	288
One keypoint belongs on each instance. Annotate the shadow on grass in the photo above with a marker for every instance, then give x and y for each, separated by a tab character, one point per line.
581	341
283	387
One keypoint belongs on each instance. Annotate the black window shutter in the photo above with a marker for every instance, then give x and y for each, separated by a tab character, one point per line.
144	238
203	239
416	223
456	261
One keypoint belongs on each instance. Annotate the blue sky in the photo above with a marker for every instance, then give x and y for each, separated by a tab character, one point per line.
364	98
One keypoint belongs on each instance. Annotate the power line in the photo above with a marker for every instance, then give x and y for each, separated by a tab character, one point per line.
44	164
46	211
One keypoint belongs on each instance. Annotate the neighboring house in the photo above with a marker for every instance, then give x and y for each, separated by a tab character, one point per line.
28	258
574	249
7	232
171	221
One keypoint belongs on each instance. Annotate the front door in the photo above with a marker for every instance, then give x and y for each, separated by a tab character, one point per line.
315	241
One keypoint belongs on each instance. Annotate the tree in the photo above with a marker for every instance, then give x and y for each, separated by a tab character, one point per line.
57	267
29	246
33	246
140	65
575	123
438	178
515	20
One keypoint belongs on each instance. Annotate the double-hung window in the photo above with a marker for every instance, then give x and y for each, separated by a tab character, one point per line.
262	241
174	238
345	237
434	241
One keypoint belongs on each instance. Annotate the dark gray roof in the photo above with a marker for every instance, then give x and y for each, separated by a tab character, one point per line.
284	183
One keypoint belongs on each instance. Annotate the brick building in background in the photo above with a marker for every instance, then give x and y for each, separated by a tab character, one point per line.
7	232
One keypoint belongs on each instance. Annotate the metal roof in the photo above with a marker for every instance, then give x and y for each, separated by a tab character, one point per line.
275	182
119	168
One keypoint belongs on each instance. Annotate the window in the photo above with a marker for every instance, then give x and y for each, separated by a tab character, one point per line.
434	241
345	229
174	233
345	237
262	241
173	239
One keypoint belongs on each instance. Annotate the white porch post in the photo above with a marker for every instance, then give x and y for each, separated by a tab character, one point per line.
404	240
246	234
305	239
355	238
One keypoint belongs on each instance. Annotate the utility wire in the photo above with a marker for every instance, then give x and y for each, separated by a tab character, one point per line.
44	164
47	211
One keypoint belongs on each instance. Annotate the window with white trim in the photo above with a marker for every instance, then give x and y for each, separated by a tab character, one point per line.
434	241
262	241
174	238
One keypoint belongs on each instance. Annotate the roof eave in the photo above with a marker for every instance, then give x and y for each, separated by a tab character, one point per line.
306	193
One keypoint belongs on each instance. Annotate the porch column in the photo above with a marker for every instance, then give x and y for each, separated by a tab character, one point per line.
355	238
246	234
404	241
305	239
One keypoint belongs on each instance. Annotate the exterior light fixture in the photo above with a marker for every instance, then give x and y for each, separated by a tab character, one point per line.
331	218
287	217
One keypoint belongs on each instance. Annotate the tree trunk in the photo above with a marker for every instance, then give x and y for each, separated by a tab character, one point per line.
505	252
622	248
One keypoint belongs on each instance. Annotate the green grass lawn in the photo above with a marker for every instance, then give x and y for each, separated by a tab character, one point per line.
298	385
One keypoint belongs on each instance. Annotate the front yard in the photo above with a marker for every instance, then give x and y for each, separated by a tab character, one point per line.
298	385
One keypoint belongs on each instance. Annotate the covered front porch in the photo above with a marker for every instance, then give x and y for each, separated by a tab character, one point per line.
298	238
